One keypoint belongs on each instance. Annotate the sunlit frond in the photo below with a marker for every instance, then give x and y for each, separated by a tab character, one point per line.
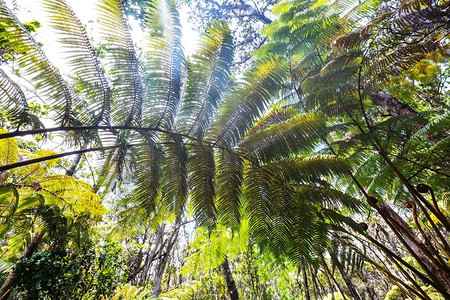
86	68
164	63
123	61
248	101
38	68
208	80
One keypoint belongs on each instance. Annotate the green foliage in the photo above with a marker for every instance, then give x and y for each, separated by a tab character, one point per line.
90	274
273	184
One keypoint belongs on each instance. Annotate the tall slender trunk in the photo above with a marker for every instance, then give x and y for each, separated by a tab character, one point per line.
330	276
162	265
6	288
347	279
231	284
313	280
437	272
305	284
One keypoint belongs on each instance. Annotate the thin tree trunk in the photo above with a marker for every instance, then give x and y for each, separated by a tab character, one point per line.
74	164
231	284
313	280
6	288
329	275
305	284
436	271
162	265
347	279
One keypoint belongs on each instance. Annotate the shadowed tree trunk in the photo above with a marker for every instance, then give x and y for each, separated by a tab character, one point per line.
162	264
231	285
305	283
391	105
6	288
347	279
438	273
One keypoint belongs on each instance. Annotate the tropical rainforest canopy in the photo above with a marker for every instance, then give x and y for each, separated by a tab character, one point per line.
302	152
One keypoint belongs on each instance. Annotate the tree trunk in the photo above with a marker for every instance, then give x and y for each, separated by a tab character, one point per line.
313	280
305	283
437	272
391	105
162	265
231	285
6	288
74	164
347	279
329	275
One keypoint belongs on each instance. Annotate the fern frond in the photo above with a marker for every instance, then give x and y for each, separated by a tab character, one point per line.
174	171
86	67
15	103
286	138
229	181
248	101
165	61
309	236
208	79
201	183
258	205
39	69
147	175
305	169
127	97
274	116
328	197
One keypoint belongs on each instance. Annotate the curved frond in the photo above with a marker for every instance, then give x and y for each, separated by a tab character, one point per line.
229	180
208	79
304	169
248	101
127	97
146	174
164	62
85	65
286	138
39	69
201	183
15	103
174	171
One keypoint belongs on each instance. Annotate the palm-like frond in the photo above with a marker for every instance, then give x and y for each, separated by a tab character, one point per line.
202	171
164	62
283	139
230	168
309	235
306	169
127	97
175	176
86	68
257	202
327	197
15	103
208	79
275	116
248	101
39	69
147	173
